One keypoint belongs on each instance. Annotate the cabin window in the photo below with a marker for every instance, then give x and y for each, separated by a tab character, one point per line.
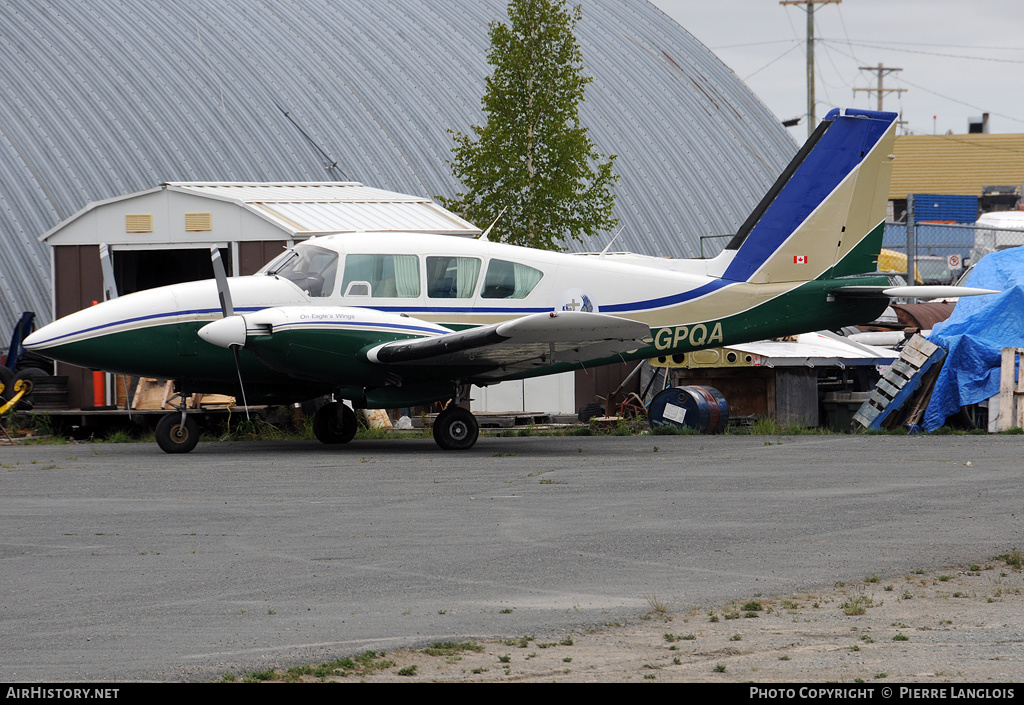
388	276
452	277
509	280
313	269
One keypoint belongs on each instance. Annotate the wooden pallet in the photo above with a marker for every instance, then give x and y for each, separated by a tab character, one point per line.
916	369
1011	390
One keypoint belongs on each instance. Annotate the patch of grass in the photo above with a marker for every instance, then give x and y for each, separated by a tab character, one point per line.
408	670
658	608
451	648
857	605
752	606
521	642
1014	559
362	665
719	668
901	637
259	676
674	431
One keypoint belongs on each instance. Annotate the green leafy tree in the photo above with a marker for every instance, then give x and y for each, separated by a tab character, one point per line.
533	158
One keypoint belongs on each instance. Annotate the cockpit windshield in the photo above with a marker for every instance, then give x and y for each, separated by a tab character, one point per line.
313	269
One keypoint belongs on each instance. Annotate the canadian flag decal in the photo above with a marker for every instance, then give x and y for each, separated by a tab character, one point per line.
799	259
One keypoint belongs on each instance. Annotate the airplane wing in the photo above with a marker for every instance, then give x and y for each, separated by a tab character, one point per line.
538	340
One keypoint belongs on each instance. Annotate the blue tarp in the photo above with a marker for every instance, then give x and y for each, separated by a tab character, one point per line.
975	333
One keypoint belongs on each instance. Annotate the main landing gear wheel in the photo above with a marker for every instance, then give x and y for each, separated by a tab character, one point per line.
334	423
173	436
456	428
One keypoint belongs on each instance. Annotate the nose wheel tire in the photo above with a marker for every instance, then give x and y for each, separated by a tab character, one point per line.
456	428
334	423
173	436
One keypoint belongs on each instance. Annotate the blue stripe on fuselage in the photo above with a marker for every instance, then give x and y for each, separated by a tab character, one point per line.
138	319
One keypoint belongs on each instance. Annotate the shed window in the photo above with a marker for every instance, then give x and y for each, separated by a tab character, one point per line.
138	223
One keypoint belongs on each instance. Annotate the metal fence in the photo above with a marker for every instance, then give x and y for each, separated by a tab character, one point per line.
943	252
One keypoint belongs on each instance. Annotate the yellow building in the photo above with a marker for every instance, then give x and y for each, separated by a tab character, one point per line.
955	164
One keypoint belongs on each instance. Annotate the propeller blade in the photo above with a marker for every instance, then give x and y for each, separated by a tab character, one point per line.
223	292
241	385
229	332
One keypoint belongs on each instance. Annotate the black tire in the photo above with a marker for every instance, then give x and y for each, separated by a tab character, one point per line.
589	411
456	428
334	423
7	382
28	376
173	437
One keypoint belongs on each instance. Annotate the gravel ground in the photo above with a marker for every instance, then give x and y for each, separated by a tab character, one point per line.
961	625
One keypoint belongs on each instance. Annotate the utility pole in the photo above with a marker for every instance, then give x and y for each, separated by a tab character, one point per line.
882	71
812	121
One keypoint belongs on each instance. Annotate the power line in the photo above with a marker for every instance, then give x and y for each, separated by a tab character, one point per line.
891	47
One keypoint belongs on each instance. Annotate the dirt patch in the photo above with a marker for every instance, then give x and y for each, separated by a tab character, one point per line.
964	624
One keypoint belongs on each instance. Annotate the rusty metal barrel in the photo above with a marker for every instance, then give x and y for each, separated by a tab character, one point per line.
699	407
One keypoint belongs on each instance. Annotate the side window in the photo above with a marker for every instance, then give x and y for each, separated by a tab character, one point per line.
382	276
452	277
509	280
313	269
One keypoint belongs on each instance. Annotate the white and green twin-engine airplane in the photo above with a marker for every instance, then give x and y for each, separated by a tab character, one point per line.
388	320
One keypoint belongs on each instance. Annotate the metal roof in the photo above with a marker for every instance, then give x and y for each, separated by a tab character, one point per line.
334	207
100	98
301	209
955	164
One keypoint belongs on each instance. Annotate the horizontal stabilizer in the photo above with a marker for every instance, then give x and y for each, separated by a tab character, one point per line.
899	292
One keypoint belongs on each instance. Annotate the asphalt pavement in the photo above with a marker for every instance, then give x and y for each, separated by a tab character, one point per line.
121	563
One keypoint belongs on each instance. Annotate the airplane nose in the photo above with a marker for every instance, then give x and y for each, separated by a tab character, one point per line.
224	332
105	335
34	339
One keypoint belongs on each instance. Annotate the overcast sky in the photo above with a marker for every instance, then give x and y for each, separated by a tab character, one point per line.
960	58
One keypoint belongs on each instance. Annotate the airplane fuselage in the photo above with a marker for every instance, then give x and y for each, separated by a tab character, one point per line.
312	314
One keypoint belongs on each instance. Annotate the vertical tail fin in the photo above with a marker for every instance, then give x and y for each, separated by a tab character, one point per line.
824	215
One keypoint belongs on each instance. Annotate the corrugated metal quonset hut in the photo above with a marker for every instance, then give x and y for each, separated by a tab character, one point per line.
164	235
101	98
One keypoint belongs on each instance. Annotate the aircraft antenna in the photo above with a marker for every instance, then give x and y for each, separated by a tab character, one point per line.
483	236
612	240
